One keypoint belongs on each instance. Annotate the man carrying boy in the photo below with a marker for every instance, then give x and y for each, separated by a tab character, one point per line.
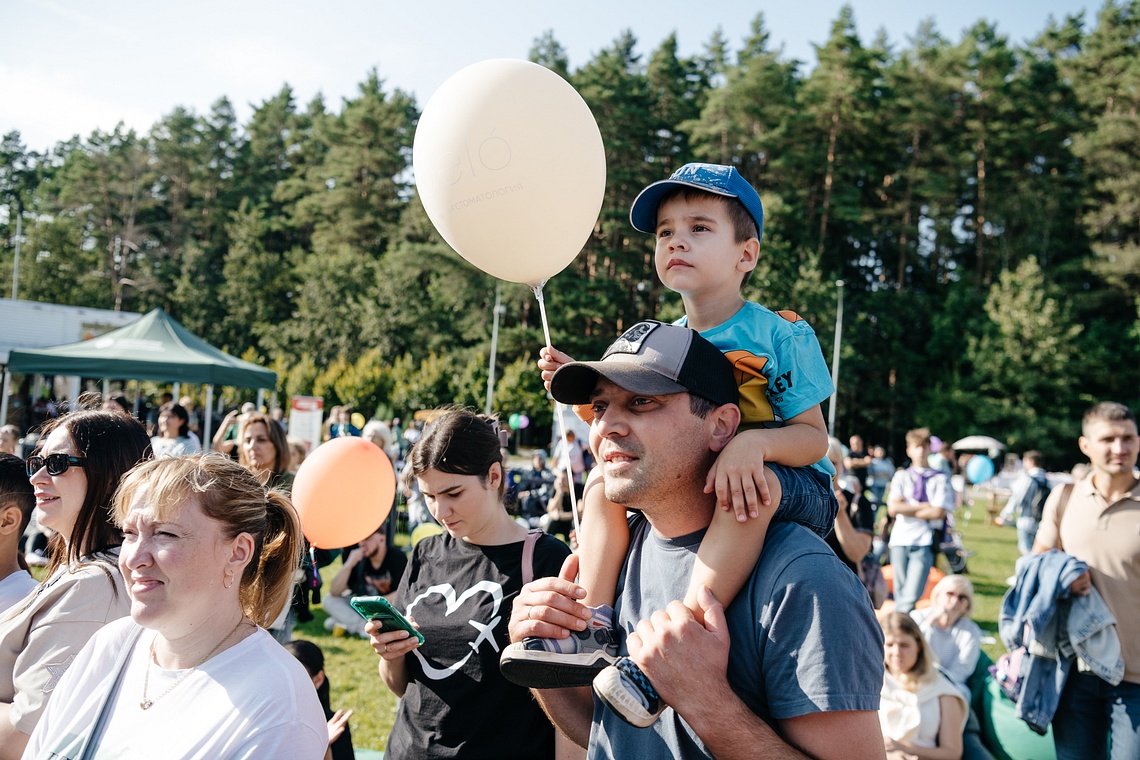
794	664
707	222
920	499
16	503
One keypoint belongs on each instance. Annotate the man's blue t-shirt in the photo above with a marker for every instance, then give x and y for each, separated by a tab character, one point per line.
804	635
778	363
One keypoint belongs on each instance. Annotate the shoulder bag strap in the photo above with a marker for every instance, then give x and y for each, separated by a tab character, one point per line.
528	555
1061	504
91	743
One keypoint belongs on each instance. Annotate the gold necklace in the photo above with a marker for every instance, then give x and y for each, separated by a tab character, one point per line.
147	703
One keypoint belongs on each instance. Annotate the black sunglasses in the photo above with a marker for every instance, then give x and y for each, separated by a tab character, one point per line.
56	464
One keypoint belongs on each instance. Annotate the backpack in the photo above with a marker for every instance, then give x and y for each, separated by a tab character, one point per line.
1036	506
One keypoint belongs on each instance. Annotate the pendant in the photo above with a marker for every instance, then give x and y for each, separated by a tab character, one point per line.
145	704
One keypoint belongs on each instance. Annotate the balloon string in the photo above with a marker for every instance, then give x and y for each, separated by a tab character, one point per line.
558	414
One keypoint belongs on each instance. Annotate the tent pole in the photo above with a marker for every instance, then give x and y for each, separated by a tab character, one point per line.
207	438
260	398
176	391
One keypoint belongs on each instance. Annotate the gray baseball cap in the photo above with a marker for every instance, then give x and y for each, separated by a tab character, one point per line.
656	359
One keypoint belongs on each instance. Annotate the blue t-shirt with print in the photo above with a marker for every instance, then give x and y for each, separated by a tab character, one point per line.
804	637
778	363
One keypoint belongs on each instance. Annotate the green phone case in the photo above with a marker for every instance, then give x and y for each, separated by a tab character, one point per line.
379	608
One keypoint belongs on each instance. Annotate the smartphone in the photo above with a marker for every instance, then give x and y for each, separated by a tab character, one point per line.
379	608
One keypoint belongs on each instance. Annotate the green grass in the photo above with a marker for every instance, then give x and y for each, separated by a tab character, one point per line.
995	553
351	666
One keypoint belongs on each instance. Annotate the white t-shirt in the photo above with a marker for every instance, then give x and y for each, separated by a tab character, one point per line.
911	531
14	588
253	700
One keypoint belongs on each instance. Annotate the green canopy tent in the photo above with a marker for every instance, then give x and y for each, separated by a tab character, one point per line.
155	347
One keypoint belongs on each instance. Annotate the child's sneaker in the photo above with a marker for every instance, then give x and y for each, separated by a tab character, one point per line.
556	663
623	688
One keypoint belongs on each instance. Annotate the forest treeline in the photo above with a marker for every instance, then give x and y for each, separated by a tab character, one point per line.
980	199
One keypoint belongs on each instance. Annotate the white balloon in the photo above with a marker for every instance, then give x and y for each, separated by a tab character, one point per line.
510	167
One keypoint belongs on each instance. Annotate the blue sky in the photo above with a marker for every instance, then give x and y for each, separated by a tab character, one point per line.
70	66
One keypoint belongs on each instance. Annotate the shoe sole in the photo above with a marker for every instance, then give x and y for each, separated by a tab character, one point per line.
613	694
548	670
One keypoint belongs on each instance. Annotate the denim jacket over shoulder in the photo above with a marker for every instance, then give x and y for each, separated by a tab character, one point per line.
1039	614
1027	608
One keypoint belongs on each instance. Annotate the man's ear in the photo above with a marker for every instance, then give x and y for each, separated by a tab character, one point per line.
725	419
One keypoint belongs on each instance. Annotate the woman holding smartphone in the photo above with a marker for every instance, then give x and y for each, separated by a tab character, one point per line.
458	588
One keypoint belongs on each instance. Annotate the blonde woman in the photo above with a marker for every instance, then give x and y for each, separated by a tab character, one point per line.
208	555
921	713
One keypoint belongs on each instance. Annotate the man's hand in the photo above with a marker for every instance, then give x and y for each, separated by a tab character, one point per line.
737	476
354	557
685	661
549	360
1082	585
549	607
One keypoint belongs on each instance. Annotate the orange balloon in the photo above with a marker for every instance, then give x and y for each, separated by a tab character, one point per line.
343	491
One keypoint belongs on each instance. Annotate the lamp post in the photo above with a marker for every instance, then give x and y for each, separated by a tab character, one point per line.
835	360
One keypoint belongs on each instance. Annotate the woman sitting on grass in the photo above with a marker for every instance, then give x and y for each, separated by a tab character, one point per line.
921	713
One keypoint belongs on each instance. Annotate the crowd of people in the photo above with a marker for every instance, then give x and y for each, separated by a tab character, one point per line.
724	597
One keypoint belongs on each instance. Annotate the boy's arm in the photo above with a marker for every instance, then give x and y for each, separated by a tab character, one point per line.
897	505
549	360
737	476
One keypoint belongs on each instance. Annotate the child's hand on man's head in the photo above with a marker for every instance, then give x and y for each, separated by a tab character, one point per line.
737	477
549	360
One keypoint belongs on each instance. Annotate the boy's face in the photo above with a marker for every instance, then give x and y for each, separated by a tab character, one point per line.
697	253
919	453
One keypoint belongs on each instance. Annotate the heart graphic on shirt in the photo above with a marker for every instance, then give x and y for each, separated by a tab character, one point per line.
453	603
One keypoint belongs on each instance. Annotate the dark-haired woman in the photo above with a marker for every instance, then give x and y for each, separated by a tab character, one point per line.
340	736
74	473
458	588
173	439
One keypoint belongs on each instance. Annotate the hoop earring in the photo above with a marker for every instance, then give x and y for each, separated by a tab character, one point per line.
228	581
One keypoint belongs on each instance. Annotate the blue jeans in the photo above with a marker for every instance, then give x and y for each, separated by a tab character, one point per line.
1026	533
911	567
807	498
1090	710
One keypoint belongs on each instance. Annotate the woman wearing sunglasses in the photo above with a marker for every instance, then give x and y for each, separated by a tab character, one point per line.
74	474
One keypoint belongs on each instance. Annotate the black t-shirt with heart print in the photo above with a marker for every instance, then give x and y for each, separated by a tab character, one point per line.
458	704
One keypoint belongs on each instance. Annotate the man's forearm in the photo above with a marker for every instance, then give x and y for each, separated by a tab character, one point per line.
730	731
570	710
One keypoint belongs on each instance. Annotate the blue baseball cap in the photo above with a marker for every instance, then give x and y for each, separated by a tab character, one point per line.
712	178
